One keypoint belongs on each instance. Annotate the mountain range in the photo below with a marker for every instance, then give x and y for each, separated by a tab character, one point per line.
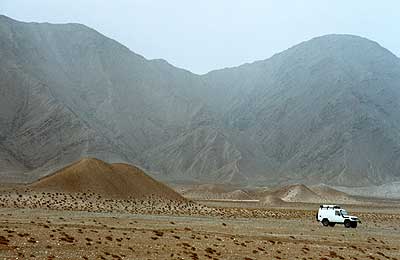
324	111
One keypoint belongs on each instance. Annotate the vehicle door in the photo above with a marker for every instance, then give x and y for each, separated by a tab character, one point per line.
337	216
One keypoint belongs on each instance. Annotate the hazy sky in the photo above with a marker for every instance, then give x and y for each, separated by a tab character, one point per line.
210	34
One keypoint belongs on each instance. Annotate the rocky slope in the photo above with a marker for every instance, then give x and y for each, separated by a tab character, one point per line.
326	110
68	92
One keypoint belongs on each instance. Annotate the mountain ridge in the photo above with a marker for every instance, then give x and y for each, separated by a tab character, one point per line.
325	110
344	35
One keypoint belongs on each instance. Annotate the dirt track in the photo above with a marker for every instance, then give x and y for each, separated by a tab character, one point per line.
51	234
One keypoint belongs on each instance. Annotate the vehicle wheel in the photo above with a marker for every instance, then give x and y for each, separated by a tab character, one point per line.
353	224
325	222
331	224
347	223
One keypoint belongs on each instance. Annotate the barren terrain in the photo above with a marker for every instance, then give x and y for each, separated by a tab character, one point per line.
40	225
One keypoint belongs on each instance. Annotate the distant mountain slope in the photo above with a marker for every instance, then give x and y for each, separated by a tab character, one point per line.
326	110
387	190
202	154
68	91
38	132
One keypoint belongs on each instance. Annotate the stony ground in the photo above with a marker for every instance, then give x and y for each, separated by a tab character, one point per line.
49	229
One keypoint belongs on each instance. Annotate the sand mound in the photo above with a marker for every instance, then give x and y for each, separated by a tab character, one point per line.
302	193
214	188
297	193
290	193
330	194
272	200
214	191
109	180
238	195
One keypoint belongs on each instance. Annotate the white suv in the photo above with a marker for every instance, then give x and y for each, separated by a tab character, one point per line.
329	215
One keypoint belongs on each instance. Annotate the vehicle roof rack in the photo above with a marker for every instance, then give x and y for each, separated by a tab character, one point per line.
330	206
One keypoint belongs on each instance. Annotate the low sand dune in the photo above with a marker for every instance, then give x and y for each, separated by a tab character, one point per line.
271	200
302	193
108	180
214	192
269	196
329	194
297	193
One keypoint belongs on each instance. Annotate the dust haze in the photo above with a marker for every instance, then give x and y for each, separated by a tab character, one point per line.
221	130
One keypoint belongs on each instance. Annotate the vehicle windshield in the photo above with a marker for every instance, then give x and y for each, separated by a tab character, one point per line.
344	212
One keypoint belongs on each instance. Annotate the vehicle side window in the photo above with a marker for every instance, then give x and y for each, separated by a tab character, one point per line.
337	213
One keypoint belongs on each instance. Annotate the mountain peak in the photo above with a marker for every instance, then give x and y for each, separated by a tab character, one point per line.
6	18
345	43
326	110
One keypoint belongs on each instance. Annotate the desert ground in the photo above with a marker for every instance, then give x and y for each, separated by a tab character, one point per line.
95	210
43	225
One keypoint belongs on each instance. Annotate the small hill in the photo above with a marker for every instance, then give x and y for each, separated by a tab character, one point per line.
214	191
272	200
301	193
297	193
109	180
330	194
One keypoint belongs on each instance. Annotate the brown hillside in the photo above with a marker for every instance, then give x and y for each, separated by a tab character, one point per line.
272	200
214	191
290	193
109	180
297	193
302	193
330	194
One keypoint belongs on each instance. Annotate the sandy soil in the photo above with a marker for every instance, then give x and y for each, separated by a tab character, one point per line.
202	233
115	180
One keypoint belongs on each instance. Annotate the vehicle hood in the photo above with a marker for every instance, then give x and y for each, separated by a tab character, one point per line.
350	216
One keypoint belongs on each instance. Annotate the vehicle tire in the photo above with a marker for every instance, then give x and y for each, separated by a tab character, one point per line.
332	224
347	223
353	224
325	222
